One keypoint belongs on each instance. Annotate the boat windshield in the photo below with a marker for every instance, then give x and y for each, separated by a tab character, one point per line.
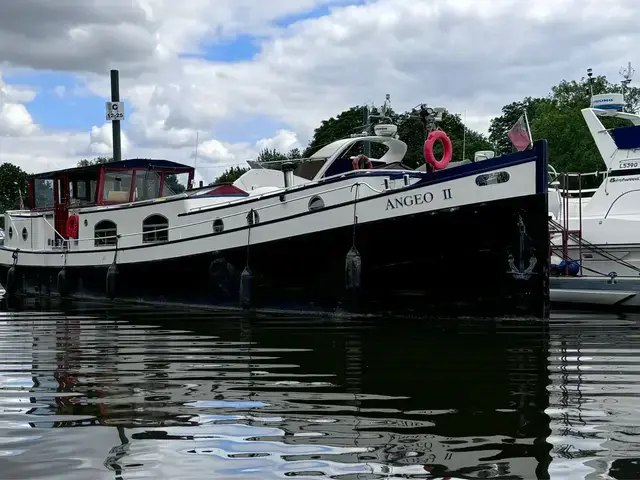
309	169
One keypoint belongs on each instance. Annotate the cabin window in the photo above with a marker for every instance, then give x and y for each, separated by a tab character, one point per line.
218	225
492	178
43	193
316	203
174	183
10	232
83	191
155	228
105	233
147	185
117	186
25	234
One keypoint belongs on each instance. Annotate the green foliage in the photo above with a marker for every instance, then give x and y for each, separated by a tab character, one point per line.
294	153
13	180
558	119
410	130
267	155
348	122
96	161
172	182
230	175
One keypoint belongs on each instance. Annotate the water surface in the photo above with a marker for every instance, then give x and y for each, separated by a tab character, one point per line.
100	393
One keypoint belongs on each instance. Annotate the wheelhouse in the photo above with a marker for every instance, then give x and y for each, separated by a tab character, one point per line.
106	184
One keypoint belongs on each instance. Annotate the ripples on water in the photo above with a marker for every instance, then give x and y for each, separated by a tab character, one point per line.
140	393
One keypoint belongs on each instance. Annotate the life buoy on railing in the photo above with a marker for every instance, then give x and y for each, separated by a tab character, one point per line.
355	161
428	149
73	224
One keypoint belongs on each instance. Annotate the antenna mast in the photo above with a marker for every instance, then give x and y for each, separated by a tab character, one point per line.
626	73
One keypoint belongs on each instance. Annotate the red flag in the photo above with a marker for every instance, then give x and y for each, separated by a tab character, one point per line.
519	134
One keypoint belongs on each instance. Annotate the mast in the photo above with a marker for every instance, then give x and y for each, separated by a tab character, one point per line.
626	74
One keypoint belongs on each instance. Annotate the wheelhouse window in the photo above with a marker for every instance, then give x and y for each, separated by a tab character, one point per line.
155	228
117	186
174	183
147	185
105	233
43	193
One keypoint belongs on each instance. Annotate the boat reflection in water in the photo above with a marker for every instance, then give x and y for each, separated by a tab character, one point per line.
197	395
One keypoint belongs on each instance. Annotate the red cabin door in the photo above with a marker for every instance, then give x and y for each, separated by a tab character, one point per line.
61	207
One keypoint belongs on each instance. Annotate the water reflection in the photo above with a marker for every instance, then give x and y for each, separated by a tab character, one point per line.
199	395
594	371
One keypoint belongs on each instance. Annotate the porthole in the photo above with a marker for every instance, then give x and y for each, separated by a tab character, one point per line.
218	225
10	232
492	178
253	217
25	234
86	222
316	203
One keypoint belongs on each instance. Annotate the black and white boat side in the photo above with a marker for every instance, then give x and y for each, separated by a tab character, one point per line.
332	230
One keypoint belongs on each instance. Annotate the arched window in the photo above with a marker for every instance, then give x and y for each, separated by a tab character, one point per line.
155	228
105	233
316	203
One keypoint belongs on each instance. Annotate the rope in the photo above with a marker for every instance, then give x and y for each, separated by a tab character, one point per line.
596	249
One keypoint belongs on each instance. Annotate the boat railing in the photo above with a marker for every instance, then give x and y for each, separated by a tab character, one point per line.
272	164
246	212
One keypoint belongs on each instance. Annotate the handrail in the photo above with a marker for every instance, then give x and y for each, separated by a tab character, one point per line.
243	212
54	229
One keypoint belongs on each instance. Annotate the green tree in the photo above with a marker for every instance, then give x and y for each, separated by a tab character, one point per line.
13	181
267	155
230	175
558	119
500	126
410	131
346	123
96	161
294	153
172	182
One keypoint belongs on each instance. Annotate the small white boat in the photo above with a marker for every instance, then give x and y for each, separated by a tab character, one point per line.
596	232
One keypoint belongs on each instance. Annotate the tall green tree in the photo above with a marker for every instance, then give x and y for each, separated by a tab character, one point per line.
558	119
230	175
410	131
344	124
270	155
13	182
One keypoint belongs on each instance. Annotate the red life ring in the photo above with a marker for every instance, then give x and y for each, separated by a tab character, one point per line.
355	161
73	224
428	149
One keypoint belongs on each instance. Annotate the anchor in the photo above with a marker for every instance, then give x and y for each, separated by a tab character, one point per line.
522	273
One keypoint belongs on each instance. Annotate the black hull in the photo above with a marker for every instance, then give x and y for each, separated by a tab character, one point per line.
438	263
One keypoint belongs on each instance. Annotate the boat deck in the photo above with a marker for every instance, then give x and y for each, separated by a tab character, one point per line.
592	291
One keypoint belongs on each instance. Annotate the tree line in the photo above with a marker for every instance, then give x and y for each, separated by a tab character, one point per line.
555	117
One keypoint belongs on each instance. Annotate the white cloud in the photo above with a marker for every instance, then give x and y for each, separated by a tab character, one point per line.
283	141
470	56
14	116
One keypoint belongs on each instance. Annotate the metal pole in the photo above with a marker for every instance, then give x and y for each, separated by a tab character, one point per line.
115	124
464	135
367	145
580	215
